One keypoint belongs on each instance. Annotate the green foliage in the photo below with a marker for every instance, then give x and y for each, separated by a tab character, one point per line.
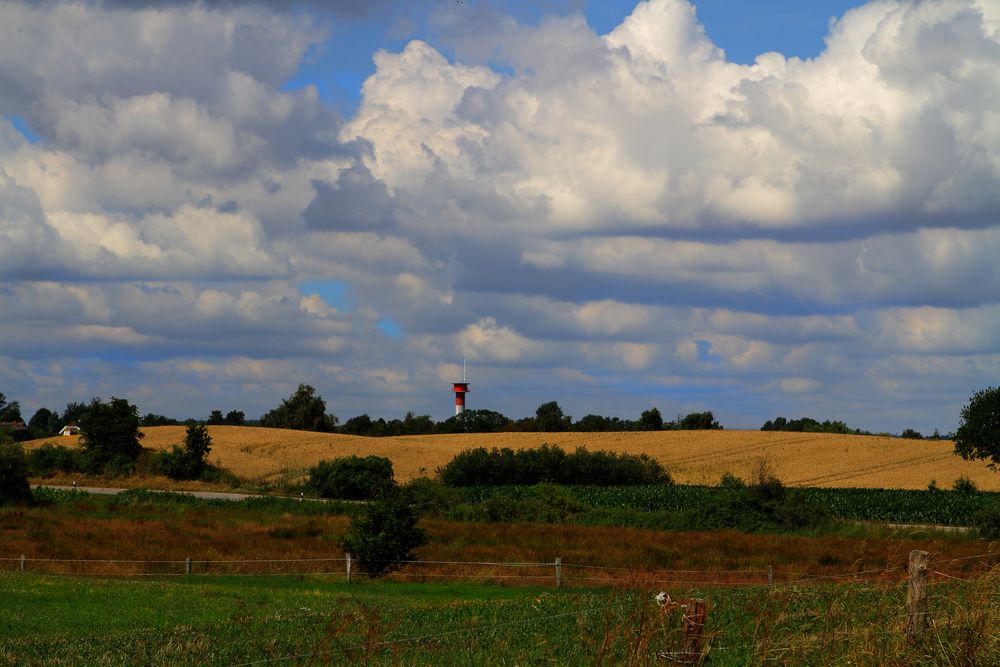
549	417
360	425
807	425
352	477
651	420
978	435
699	421
44	423
383	534
158	420
49	459
474	421
965	485
482	467
14	487
9	412
74	413
731	481
216	418
187	462
911	434
304	411
234	418
111	435
988	523
430	497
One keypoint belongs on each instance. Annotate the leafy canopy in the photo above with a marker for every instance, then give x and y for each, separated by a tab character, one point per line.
978	436
111	434
303	411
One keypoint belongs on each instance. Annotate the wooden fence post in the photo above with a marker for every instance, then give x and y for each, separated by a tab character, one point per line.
187	565
770	575
558	572
695	614
22	562
916	595
348	559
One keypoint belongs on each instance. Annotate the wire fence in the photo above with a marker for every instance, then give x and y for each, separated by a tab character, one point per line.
556	573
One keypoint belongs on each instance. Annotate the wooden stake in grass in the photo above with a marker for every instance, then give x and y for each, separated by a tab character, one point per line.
694	625
916	595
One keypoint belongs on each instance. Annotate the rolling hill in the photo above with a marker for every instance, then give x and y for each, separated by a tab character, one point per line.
695	457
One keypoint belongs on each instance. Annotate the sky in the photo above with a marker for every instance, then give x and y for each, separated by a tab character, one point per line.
759	209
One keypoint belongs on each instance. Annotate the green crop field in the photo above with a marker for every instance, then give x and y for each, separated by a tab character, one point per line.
46	620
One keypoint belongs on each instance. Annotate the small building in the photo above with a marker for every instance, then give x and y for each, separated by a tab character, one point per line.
70	429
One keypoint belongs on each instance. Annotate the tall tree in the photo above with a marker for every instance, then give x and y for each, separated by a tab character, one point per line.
9	412
549	417
44	423
651	420
234	418
111	433
978	435
304	410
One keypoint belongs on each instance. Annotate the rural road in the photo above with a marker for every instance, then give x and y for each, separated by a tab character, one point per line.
207	495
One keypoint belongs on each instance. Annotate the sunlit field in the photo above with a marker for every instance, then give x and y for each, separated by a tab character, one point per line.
693	457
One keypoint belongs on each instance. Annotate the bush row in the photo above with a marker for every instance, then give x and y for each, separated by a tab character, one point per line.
478	467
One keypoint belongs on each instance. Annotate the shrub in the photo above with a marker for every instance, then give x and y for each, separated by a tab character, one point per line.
964	485
352	477
429	497
383	534
49	459
549	463
14	487
988	523
731	481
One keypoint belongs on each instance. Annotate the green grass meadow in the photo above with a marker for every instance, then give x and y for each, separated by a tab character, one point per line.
202	620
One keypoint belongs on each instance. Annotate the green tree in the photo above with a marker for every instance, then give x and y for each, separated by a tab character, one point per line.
474	421
352	477
303	411
44	423
216	418
74	413
14	487
651	420
384	534
9	412
188	462
111	434
234	418
360	425
549	417
978	435
151	419
699	421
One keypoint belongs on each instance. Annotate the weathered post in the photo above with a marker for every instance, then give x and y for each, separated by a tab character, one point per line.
916	595
348	559
22	562
770	575
695	613
187	565
558	572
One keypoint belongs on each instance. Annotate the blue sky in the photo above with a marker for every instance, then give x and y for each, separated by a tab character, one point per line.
760	209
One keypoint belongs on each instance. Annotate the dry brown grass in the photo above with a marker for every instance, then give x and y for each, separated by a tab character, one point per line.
695	457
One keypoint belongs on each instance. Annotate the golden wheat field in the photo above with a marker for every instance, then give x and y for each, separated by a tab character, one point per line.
696	457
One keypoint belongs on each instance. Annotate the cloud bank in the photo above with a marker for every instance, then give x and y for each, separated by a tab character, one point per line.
612	221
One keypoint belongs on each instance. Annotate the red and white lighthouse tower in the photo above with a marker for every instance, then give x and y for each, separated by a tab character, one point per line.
460	388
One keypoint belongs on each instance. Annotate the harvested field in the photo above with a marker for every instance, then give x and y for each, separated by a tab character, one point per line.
694	457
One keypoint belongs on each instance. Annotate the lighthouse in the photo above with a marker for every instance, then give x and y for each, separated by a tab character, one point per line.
460	388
